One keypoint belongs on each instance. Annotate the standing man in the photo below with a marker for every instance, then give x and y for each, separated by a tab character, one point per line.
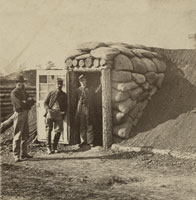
56	107
84	112
21	106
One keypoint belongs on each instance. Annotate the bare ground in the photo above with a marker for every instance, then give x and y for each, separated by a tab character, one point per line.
96	174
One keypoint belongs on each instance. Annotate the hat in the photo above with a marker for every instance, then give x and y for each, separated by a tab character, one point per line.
59	80
81	77
21	79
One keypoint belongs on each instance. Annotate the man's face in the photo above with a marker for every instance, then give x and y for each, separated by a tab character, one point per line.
83	82
21	85
59	85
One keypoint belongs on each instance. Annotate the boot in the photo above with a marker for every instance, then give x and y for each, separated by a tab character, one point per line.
56	140
48	141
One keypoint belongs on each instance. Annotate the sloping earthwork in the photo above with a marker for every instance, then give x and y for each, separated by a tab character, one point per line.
169	121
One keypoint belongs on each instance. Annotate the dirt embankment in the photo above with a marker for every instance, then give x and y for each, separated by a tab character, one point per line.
168	122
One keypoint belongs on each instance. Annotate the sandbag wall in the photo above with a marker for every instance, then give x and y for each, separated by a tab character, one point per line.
136	74
135	79
5	101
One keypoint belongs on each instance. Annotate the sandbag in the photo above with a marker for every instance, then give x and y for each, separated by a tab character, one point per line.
138	78
145	86
106	53
118	117
161	66
123	130
151	77
138	65
134	94
137	53
160	78
84	56
146	53
122	62
133	113
138	108
124	106
124	50
151	67
121	76
125	86
118	96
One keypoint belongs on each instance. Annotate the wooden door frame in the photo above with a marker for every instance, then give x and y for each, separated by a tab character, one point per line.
106	103
106	107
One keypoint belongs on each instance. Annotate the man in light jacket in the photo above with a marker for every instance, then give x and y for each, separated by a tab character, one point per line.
56	107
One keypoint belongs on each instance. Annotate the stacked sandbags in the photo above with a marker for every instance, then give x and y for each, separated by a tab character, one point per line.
136	75
135	79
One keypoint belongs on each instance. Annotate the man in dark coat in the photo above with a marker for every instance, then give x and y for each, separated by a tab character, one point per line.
21	106
84	112
56	107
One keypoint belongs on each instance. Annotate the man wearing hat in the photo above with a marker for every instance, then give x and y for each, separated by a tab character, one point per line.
84	112
56	107
21	106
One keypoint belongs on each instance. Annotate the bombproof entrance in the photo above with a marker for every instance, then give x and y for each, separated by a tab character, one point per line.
93	76
94	85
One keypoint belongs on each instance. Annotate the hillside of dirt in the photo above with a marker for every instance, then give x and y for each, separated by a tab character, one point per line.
169	119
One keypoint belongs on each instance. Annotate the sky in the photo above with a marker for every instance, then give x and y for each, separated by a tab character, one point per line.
33	32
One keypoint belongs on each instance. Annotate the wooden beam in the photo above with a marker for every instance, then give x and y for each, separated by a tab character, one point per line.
68	107
106	108
86	69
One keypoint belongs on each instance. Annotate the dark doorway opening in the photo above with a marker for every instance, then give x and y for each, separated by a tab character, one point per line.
94	84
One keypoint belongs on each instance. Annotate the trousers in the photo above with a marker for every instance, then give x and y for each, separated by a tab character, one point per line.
21	133
86	129
58	128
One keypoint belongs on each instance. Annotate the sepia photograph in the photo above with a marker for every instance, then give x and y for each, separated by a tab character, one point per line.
98	100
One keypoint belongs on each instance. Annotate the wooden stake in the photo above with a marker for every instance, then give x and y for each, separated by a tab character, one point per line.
106	108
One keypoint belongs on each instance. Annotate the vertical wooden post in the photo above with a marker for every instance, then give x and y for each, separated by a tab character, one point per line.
68	107
106	108
72	107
